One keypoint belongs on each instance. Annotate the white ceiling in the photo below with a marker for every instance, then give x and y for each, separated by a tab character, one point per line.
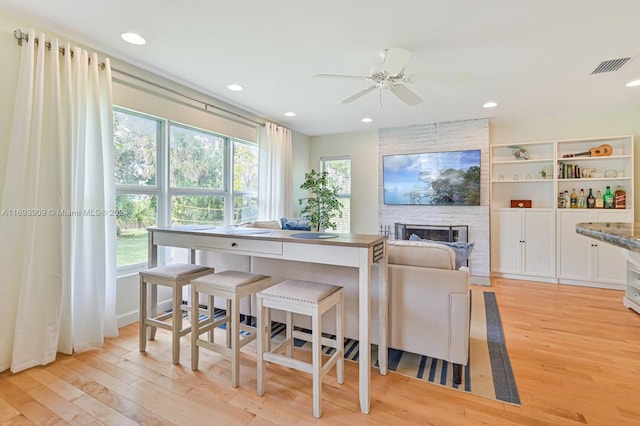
533	57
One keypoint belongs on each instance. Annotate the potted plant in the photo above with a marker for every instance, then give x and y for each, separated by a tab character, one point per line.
323	204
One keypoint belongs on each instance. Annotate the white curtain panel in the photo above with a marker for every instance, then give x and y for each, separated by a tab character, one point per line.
58	230
275	186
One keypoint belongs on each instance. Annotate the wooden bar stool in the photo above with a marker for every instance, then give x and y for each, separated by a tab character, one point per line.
307	298
175	276
233	286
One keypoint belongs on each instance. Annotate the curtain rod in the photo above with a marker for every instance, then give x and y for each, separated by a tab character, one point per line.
20	36
176	92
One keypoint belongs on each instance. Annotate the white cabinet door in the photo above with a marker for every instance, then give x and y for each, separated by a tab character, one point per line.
574	250
539	242
506	241
609	265
522	242
585	259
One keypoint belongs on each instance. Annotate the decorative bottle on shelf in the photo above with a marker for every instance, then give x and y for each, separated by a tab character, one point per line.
608	198
591	200
567	199
582	200
620	200
561	204
573	199
599	200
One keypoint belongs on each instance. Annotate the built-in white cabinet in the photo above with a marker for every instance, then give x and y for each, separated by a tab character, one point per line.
540	242
526	238
585	261
632	292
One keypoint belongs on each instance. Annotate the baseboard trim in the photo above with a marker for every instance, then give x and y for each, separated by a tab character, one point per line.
134	316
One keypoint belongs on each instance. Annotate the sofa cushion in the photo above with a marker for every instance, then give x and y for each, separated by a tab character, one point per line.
268	224
462	249
420	253
296	224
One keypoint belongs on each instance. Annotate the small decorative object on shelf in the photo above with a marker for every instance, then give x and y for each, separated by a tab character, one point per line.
546	172
591	200
587	172
521	204
573	199
520	153
599	200
608	198
619	202
603	150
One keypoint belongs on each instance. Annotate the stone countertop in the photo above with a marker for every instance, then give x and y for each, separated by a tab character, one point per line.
621	234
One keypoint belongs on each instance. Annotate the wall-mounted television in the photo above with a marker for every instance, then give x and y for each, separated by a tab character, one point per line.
432	178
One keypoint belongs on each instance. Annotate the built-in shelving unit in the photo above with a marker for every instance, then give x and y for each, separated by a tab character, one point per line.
632	291
541	243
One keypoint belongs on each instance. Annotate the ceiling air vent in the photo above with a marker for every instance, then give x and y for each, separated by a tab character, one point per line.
610	65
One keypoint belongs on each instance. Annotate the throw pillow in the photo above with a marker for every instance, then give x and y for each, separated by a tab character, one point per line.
296	224
461	248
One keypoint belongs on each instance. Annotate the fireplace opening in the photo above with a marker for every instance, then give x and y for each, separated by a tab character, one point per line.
447	233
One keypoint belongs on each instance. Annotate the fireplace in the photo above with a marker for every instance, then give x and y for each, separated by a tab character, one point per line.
448	233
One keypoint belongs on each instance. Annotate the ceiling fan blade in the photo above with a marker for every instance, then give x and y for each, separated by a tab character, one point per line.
440	77
405	94
350	77
359	94
395	59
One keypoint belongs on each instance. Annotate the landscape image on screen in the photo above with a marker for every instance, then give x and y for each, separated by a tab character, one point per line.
432	178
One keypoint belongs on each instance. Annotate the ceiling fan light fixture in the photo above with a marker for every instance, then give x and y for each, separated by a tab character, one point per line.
490	104
290	114
134	38
367	120
634	83
235	87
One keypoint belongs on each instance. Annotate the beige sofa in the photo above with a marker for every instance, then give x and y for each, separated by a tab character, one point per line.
428	302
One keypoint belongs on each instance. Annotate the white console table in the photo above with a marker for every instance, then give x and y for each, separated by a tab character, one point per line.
363	252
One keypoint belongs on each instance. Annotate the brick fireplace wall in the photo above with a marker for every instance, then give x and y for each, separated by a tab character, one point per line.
437	137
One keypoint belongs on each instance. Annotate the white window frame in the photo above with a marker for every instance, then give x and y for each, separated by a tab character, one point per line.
162	188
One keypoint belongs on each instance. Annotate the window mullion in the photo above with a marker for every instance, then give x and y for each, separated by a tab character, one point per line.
228	182
164	201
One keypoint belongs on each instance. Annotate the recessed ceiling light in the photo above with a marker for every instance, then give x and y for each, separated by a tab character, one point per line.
133	38
366	120
490	105
290	114
235	87
633	83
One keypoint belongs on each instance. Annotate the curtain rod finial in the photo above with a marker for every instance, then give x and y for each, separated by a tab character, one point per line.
19	35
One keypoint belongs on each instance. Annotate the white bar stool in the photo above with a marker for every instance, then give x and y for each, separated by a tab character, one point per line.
175	276
307	298
233	286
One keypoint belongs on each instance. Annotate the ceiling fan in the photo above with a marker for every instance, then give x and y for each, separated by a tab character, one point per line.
391	76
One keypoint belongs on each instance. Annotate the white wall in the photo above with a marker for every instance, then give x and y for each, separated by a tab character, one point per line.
362	147
300	162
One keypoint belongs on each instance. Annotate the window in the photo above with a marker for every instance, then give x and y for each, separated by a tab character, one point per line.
197	176
245	181
137	142
339	174
171	174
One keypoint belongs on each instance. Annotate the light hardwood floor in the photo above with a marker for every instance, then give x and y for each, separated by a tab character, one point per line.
575	352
